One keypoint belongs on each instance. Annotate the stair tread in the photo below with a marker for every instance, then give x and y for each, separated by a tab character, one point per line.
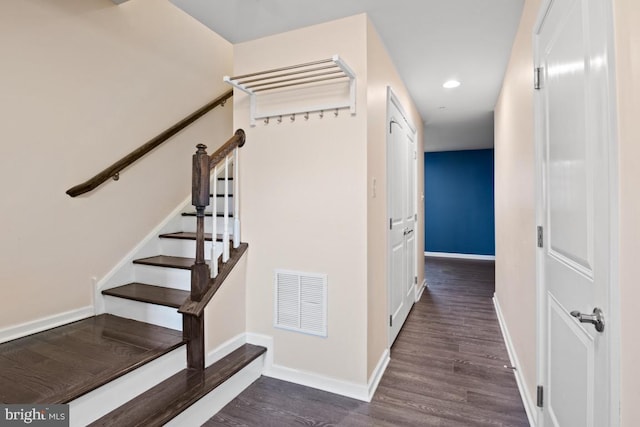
167	261
152	294
189	235
64	363
219	214
161	403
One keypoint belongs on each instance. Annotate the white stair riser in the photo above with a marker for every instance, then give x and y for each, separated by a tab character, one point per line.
209	207
221	187
198	413
103	400
144	312
189	224
185	248
162	276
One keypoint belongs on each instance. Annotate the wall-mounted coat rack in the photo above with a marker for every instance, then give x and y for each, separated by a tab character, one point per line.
318	76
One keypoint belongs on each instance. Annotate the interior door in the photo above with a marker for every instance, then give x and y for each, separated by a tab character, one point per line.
576	203
402	209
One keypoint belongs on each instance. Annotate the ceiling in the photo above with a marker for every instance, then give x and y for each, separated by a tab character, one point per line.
430	41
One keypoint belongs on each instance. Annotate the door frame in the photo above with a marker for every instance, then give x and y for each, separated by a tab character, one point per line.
393	98
613	311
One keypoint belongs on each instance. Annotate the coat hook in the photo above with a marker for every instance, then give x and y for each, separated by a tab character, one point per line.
292	118
279	119
306	115
321	113
336	112
266	121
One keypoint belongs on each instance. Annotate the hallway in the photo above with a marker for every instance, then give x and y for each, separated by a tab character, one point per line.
446	369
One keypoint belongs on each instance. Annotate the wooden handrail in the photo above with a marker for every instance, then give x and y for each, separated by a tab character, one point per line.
114	170
203	286
237	140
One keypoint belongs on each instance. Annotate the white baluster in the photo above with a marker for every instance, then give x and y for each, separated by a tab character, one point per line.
236	200
215	252
225	234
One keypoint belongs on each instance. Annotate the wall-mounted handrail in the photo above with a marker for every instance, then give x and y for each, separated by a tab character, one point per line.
114	170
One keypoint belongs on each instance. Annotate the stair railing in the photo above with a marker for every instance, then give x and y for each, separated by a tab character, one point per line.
220	162
113	171
206	279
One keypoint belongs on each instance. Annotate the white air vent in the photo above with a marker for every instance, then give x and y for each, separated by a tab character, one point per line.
301	302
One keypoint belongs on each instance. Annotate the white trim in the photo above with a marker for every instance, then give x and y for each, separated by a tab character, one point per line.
225	348
460	256
420	290
312	379
377	373
527	400
44	323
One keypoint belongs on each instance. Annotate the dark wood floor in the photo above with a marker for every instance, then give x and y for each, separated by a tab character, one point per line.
61	364
447	368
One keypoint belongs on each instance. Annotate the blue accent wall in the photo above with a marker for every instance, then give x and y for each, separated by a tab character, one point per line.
458	202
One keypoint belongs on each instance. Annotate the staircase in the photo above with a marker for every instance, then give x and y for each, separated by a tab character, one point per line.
141	362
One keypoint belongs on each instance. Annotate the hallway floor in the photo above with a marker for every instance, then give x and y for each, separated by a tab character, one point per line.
446	369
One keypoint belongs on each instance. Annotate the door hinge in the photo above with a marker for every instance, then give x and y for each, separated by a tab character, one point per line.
415	280
390	223
540	397
537	78
415	217
390	321
540	237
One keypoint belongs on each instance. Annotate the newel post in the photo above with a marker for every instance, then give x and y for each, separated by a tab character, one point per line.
200	273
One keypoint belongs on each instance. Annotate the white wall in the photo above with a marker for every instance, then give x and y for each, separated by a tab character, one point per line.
515	258
515	198
382	73
627	51
307	203
84	82
304	202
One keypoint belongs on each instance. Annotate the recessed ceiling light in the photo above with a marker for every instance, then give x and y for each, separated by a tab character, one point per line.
450	84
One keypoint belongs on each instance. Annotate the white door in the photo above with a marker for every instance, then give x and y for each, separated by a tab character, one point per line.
575	212
401	158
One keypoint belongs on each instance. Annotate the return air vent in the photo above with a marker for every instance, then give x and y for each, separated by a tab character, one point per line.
301	302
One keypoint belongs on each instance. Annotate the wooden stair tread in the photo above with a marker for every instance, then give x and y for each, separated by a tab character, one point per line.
161	403
207	214
64	363
152	294
167	261
189	235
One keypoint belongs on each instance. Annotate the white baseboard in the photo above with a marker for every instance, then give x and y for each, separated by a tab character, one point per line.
377	373
312	379
527	399
39	325
225	348
460	256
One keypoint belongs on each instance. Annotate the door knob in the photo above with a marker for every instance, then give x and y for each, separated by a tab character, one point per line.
597	319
